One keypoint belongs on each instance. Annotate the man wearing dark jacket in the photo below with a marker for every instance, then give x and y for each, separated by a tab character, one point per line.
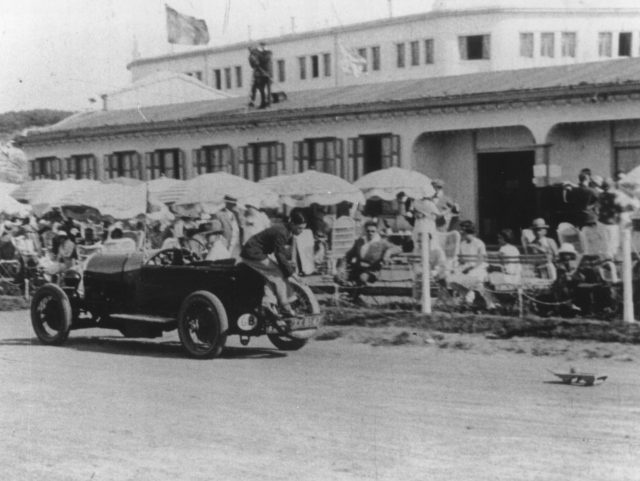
266	253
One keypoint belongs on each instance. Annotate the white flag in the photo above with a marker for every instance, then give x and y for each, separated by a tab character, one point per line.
351	63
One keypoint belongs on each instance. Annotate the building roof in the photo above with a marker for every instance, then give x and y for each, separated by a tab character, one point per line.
478	88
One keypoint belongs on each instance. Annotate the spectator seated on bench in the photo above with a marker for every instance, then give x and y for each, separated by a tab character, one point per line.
505	268
471	273
368	254
119	244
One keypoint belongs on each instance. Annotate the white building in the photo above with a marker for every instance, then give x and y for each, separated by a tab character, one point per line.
456	37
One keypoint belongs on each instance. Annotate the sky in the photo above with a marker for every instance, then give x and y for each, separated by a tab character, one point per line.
59	54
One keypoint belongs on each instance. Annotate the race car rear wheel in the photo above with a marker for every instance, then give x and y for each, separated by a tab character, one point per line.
305	303
203	325
51	314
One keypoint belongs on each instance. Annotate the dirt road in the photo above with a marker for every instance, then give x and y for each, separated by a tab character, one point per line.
106	408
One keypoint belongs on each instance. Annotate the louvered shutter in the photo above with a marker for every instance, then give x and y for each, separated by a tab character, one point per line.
297	146
339	151
182	162
280	154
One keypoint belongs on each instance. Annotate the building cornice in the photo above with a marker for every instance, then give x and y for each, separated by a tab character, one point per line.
251	119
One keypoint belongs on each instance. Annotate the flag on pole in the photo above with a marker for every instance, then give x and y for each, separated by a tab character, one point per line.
185	30
351	62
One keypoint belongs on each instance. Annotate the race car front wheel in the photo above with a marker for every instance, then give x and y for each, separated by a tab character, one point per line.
51	314
203	325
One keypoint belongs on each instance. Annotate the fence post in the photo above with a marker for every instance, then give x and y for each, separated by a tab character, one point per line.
26	289
520	302
627	278
426	271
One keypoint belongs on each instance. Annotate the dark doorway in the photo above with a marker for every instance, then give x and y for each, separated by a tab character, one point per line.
372	153
506	193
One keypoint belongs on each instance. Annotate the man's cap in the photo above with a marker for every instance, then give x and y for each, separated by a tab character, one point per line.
437	183
230	199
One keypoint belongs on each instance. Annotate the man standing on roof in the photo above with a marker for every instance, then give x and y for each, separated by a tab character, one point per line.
260	61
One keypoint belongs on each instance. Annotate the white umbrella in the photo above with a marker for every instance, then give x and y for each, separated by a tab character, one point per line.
62	192
312	187
28	190
167	190
388	183
206	193
11	207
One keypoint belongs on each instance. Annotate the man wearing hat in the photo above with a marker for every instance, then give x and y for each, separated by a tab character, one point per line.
541	243
215	242
449	210
232	225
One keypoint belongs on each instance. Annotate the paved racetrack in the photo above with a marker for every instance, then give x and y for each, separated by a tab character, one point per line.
107	408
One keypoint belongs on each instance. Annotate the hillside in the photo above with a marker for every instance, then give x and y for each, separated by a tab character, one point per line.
13	164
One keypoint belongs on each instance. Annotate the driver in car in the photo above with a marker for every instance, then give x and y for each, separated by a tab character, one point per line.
265	253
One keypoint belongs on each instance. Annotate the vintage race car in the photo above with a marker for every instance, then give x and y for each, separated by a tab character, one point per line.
146	294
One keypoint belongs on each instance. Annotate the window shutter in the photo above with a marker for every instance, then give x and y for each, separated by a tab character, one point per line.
395	151
138	166
148	166
106	166
386	151
297	146
32	174
182	160
240	163
57	168
196	161
349	165
339	149
304	157
228	159
486	46
359	159
462	46
280	153
249	165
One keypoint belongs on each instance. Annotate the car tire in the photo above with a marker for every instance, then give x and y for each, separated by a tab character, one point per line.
51	315
305	304
203	325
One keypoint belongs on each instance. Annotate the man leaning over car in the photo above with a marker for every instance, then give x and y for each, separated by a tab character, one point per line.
259	253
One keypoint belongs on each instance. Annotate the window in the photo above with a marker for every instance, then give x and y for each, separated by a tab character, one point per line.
326	60
415	53
474	47
315	66
323	155
302	65
227	78
45	168
238	76
400	55
262	160
604	44
167	162
217	75
375	58
362	53
428	51
624	44
282	77
568	44
526	45
548	44
122	164
80	167
213	158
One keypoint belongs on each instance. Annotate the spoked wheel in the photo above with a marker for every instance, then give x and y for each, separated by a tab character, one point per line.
51	314
305	303
203	325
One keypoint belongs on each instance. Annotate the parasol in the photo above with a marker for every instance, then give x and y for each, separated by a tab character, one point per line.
28	190
167	190
312	187
206	192
388	183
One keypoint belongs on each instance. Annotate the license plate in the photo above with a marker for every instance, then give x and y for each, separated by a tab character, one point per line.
311	321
